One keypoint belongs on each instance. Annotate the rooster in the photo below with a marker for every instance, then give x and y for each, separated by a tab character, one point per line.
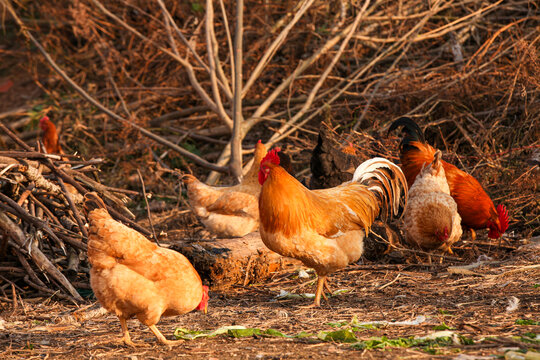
228	211
474	205
325	228
431	220
50	136
331	163
132	276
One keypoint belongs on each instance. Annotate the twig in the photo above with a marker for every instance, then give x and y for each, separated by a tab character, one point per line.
76	214
148	208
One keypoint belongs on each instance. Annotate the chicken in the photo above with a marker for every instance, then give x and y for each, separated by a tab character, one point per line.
431	219
331	163
325	228
474	205
132	276
50	136
228	211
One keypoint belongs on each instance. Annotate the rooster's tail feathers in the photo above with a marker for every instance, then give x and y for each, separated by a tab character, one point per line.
411	130
386	179
436	163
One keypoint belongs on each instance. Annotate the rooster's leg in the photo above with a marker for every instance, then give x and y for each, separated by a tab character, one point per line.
125	333
473	235
161	338
320	285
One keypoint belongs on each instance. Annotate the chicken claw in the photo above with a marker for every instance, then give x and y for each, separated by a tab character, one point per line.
126	338
162	338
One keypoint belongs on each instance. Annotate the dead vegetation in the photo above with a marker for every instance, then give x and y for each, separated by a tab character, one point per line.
467	70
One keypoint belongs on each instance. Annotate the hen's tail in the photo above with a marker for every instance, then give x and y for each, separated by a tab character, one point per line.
411	130
385	179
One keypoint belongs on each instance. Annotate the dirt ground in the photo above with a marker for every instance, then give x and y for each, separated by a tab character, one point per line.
480	303
490	307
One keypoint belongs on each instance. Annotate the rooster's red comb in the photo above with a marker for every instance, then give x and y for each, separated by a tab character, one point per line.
272	156
503	217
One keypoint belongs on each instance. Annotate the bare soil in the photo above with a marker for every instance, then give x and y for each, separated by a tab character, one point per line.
485	304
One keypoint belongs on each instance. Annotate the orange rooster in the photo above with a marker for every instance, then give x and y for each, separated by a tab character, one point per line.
431	219
325	228
474	205
50	136
228	211
132	276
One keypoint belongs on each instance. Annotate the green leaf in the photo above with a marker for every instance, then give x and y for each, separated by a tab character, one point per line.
303	334
186	334
343	335
527	322
240	333
274	332
443	326
337	324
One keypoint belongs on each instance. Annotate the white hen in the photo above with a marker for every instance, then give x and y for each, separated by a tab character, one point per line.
431	219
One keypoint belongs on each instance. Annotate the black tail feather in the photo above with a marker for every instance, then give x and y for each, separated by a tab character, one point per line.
411	130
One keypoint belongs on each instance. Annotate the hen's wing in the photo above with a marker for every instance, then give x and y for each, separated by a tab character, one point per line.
236	203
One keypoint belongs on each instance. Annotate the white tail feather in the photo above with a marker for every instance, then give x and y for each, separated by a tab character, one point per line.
388	184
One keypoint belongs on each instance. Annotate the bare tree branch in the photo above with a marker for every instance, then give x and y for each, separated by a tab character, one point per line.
237	135
325	74
189	68
196	159
270	52
211	45
229	39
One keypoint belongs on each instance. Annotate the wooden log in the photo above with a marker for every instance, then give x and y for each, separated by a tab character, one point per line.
222	263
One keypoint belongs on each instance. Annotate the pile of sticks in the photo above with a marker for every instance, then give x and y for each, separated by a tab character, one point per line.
42	226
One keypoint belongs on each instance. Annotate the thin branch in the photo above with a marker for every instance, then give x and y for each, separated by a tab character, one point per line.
406	38
327	71
302	66
270	52
211	46
196	159
224	86
189	68
237	135
148	208
229	39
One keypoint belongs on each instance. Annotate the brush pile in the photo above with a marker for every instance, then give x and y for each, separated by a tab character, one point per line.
42	229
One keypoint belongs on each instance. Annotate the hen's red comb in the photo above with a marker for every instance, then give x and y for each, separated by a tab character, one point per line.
272	156
503	217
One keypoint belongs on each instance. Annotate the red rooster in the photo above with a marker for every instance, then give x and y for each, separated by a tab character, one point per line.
474	205
325	229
